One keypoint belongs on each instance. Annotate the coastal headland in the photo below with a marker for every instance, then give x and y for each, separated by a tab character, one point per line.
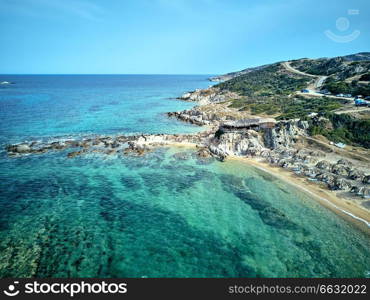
235	128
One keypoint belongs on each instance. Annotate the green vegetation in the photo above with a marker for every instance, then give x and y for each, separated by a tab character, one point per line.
288	107
339	67
300	106
337	87
270	90
343	128
270	81
321	66
353	88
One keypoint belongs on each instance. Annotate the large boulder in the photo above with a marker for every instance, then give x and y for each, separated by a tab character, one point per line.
340	169
204	153
366	192
356	174
326	177
303	124
21	148
310	171
366	179
362	191
340	184
324	165
344	162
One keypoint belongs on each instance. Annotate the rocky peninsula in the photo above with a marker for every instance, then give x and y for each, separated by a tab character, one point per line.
284	144
231	132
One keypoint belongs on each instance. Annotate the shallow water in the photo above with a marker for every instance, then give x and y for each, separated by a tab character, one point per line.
165	214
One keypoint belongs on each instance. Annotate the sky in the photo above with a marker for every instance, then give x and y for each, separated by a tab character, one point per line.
174	36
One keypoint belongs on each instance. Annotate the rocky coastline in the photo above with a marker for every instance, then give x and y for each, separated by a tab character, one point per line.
286	144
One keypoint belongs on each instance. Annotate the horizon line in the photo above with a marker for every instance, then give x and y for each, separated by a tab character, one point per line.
4	74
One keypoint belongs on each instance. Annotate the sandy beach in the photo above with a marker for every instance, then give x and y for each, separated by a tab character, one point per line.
349	210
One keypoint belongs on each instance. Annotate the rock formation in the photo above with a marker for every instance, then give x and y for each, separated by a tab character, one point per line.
278	143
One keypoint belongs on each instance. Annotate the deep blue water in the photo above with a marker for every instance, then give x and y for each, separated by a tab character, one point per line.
168	213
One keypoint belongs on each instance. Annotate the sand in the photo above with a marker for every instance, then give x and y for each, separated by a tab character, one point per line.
349	210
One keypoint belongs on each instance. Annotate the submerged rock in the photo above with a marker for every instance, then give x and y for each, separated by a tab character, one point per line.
204	153
181	156
74	154
21	148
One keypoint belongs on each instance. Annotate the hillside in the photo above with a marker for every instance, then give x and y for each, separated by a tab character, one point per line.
341	68
267	81
231	75
275	90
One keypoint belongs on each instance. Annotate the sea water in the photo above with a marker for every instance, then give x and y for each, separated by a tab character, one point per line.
167	213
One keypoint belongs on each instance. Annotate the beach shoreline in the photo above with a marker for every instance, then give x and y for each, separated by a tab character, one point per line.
247	146
343	207
350	211
279	152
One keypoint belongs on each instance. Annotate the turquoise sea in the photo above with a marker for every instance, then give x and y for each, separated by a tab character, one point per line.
168	213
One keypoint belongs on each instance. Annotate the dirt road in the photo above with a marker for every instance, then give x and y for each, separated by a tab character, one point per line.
319	79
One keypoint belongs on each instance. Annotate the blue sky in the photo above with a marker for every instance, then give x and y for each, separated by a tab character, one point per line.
172	36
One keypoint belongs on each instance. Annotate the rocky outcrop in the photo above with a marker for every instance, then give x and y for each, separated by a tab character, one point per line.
207	96
276	144
324	165
284	134
193	116
271	143
366	179
210	114
278	147
204	152
106	144
20	148
240	144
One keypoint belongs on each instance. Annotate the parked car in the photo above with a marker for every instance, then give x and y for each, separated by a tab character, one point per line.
361	102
